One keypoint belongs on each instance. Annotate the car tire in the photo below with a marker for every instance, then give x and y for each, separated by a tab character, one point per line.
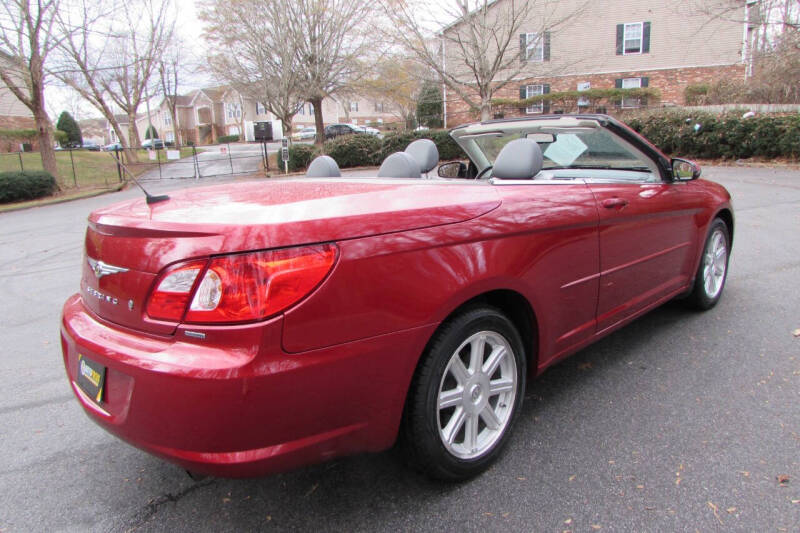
465	396
713	269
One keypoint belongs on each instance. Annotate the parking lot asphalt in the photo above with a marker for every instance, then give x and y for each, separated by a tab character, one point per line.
681	421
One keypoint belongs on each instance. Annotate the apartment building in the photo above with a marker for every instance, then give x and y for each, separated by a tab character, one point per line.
14	115
618	43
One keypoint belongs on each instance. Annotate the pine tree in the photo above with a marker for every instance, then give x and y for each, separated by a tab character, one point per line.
429	105
151	132
68	125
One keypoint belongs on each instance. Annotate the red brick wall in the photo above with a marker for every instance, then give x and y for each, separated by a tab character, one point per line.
671	83
16	123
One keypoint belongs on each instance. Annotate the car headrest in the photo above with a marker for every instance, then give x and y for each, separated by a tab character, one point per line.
323	166
399	165
521	159
424	151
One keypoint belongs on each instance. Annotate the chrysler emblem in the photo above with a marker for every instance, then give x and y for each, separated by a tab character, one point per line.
101	269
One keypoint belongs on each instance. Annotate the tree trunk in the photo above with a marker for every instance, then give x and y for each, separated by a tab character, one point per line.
486	110
174	115
320	125
46	150
133	134
286	123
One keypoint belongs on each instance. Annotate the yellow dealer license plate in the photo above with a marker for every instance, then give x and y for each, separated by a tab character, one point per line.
91	378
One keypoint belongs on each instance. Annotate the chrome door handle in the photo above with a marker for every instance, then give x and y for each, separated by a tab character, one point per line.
611	203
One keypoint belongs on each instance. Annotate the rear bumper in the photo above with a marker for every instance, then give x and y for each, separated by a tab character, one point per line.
235	404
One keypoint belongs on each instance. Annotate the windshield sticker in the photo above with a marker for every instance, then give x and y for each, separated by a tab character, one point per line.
567	148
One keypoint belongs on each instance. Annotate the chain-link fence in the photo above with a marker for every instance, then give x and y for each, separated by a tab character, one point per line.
100	169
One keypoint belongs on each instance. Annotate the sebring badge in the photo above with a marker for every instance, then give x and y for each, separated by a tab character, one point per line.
101	269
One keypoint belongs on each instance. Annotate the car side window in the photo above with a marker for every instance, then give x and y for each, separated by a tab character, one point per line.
598	150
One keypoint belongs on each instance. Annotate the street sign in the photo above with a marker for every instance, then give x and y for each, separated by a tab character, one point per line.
285	154
262	131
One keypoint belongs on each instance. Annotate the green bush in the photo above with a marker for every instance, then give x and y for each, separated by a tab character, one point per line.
366	150
397	142
18	134
727	136
228	139
300	155
61	137
25	185
354	150
695	94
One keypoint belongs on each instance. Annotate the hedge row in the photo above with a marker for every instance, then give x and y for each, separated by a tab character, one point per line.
29	135
726	136
570	98
228	139
368	150
25	185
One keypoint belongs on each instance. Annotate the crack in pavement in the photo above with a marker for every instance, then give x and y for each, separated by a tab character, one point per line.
144	515
36	403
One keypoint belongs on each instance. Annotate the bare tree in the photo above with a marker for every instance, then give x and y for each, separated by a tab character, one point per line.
284	52
114	65
259	57
772	54
768	22
28	35
396	80
171	67
477	50
330	40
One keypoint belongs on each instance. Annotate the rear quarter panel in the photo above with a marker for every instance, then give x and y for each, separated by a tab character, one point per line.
541	242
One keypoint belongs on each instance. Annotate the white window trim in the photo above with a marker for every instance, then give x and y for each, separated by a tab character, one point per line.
169	137
637	100
233	110
535	109
530	51
624	38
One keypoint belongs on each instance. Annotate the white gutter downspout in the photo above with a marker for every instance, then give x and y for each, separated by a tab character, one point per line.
444	88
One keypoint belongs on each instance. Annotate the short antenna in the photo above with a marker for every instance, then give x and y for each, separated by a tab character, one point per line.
149	198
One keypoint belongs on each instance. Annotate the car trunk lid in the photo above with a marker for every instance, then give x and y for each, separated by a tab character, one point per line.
128	244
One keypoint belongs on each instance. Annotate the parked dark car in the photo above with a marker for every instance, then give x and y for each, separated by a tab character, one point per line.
157	144
250	328
335	130
91	146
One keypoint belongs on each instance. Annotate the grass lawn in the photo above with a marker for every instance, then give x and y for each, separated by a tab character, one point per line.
91	169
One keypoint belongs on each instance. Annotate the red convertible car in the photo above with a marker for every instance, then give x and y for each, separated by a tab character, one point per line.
240	330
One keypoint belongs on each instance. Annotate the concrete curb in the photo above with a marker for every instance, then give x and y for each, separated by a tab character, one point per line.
60	200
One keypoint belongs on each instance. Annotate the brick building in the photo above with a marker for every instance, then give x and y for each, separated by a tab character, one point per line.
622	44
14	115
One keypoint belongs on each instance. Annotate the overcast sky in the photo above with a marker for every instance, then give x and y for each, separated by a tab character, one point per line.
59	98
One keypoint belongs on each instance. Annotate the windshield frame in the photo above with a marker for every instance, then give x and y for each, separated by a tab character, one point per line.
468	136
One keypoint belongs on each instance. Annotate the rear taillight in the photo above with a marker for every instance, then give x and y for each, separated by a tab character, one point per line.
241	287
171	295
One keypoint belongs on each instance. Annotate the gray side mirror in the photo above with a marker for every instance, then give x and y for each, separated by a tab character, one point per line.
454	169
683	170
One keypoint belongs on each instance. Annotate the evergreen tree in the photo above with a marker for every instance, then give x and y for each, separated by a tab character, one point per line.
151	132
429	105
68	125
